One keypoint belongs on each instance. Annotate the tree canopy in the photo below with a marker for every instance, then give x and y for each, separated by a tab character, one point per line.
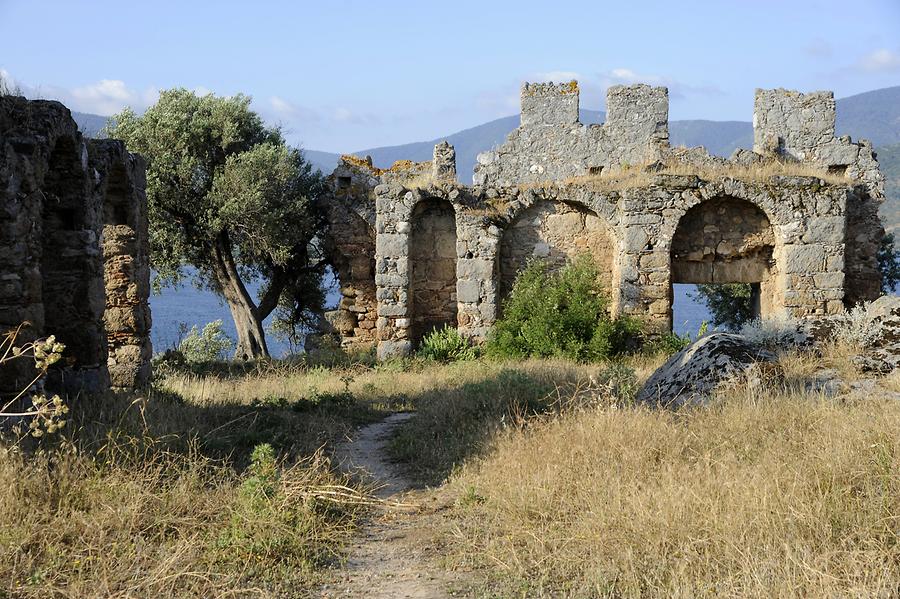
227	196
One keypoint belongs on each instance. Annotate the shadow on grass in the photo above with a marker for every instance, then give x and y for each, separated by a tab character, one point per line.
456	424
164	421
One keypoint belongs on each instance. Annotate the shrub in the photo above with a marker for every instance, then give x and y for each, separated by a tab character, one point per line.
776	332
561	314
446	345
888	264
208	345
857	327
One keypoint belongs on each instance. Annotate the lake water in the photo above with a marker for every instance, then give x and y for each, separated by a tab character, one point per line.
184	307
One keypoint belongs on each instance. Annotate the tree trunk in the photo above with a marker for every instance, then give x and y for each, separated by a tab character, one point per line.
247	319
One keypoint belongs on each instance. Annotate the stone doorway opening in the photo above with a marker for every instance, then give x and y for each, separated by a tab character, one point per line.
432	255
726	240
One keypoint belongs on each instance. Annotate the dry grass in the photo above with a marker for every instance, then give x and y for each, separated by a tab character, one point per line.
773	494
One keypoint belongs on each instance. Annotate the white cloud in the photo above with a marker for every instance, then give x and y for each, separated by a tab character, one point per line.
881	60
109	96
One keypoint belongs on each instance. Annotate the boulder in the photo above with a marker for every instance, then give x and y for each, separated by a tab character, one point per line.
691	375
883	351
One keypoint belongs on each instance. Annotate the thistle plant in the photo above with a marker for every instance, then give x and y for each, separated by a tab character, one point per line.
46	414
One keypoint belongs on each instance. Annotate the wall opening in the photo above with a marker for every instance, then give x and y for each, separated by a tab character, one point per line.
723	240
556	232
432	255
73	302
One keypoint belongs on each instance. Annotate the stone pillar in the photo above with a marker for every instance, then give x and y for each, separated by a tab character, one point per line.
125	243
392	228
443	167
476	271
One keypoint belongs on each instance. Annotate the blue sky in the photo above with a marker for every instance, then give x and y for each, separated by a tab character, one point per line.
347	75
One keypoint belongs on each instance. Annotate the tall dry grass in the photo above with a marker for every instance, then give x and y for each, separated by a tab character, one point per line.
763	494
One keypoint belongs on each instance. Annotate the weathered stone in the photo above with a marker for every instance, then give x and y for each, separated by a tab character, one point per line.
692	375
75	247
557	189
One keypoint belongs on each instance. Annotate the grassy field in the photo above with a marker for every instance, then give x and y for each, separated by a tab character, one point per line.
560	486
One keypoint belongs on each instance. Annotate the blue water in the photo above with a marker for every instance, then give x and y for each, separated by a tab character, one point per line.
189	306
178	309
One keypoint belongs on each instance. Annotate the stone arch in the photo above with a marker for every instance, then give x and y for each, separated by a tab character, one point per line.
71	284
432	267
556	231
727	239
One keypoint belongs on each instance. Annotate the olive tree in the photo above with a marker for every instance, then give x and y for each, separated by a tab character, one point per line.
227	196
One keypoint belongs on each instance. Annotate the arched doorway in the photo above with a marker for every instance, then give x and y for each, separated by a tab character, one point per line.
432	254
727	240
556	232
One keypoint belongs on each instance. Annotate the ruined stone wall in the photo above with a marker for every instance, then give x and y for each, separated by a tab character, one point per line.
796	126
121	181
52	218
808	242
555	232
551	145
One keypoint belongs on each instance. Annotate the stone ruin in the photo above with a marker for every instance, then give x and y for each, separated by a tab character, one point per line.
796	217
73	248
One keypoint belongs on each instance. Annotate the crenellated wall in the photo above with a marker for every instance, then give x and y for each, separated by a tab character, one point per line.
796	218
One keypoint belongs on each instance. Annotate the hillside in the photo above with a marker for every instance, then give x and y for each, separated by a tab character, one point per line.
889	159
873	115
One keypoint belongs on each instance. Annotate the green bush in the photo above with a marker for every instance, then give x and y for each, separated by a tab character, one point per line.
560	314
208	345
446	345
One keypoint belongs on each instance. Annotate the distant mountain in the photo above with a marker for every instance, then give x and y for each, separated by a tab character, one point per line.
873	115
90	124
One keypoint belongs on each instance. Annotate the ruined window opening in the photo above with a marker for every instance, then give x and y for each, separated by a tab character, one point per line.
720	241
344	182
838	170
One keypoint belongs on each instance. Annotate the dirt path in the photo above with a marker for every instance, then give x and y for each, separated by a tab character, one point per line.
395	553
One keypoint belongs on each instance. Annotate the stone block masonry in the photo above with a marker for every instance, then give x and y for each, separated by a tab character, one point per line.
73	248
649	214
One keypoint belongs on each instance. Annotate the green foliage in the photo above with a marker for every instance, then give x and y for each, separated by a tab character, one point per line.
889	264
562	314
208	345
446	345
668	344
262	474
228	196
729	304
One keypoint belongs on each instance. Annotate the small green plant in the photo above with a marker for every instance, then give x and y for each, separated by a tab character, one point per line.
262	475
446	345
208	345
560	314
